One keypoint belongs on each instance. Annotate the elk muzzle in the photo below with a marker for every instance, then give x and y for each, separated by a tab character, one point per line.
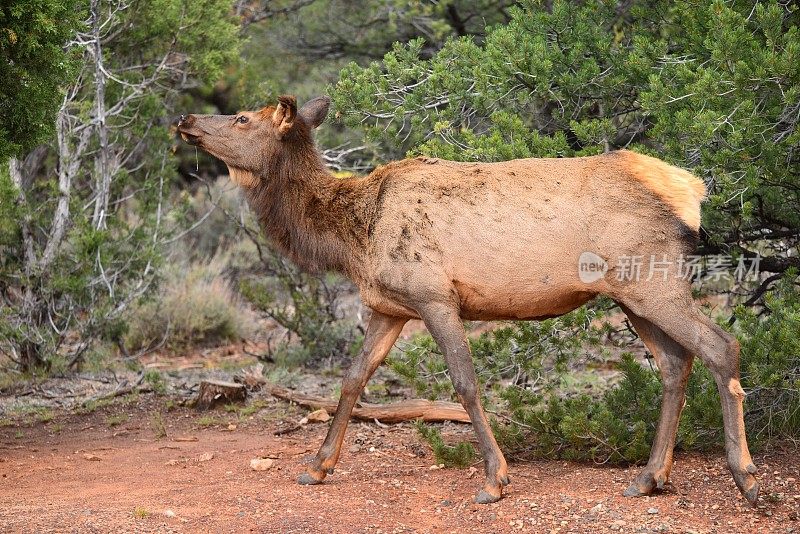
189	132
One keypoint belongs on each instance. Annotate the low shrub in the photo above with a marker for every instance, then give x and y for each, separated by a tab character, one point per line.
194	306
459	455
309	307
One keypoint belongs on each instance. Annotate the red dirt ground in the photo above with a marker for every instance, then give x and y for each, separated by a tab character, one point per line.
91	474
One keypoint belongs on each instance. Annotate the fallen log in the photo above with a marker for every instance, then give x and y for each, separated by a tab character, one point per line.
407	410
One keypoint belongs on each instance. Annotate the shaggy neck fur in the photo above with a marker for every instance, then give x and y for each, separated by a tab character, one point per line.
318	221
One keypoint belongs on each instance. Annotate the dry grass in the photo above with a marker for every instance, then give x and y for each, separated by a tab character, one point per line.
194	306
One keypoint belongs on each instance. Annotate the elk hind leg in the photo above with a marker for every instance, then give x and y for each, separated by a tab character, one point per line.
719	351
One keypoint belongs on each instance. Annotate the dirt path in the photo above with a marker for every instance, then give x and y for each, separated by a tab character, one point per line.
107	471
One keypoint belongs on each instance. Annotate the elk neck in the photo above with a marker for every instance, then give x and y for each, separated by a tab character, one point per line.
317	220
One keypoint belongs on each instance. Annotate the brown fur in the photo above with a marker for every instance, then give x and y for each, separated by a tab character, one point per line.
445	241
243	178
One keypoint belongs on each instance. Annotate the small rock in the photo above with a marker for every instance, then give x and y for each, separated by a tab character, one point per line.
231	427
260	464
206	456
318	416
185	438
169	513
91	457
652	510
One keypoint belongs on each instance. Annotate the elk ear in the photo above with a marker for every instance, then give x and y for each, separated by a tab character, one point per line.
314	111
284	115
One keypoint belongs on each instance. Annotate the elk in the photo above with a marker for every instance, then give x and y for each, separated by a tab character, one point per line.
444	241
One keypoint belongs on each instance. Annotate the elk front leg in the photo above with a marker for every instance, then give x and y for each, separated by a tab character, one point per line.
674	363
382	332
446	327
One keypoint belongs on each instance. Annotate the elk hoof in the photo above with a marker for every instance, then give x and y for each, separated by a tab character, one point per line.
646	483
634	491
307	479
748	485
752	494
484	497
505	481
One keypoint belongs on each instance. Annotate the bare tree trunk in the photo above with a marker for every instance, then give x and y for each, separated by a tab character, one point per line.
29	351
15	169
86	174
33	308
102	159
67	165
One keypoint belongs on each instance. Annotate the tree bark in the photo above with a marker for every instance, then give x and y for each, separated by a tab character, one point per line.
102	159
15	169
213	392
29	353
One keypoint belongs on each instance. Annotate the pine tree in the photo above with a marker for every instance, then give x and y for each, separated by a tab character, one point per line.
33	68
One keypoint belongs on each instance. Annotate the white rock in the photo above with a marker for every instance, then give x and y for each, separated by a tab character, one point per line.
318	416
260	464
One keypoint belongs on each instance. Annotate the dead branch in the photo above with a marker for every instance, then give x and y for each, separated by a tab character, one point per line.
122	389
288	429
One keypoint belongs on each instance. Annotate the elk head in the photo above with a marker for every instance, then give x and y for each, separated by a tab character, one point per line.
251	142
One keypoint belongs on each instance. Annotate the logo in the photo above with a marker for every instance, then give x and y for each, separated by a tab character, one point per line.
591	267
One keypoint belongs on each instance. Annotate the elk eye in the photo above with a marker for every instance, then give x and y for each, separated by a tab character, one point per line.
241	119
